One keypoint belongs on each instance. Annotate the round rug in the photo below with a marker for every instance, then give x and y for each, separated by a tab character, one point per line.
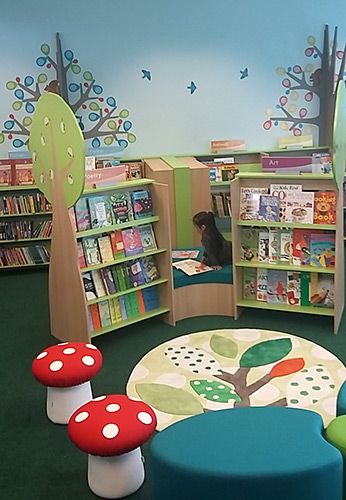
218	369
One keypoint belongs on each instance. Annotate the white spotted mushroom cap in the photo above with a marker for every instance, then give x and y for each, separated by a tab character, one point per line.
67	364
111	425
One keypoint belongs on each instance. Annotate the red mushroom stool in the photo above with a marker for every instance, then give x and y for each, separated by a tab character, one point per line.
66	370
111	430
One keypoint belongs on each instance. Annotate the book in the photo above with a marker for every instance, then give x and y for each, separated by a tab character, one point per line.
132	241
99	285
285	246
301	246
249	283
274	245
108	280
263	245
105	248
105	315
269	208
73	219
136	273
322	163
115	311
149	268
322	249
95	316
262	285
276	286
122	308
134	170
305	289
100	211
6	168
121	207
325	207
117	244
185	254
249	202
23	172
191	267
89	287
150	298
293	288
91	251
249	243
82	214
322	290
281	190
300	207
147	237
81	256
142	203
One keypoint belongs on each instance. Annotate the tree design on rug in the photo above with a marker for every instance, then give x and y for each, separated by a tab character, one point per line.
307	84
98	115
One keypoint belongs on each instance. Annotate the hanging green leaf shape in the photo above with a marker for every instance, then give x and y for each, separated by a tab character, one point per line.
265	353
169	399
224	346
214	391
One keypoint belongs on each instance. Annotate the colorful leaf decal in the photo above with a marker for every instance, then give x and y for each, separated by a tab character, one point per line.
169	399
214	391
287	367
265	353
224	346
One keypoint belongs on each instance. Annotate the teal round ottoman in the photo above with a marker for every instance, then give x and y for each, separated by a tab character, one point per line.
261	453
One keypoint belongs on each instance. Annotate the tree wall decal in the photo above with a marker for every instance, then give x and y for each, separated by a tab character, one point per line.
98	115
306	85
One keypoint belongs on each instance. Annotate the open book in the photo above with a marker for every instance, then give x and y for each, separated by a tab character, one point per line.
192	267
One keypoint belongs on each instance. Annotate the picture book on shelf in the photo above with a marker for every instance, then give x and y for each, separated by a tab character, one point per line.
100	288
249	243
293	288
105	314
300	207
117	244
322	249
269	208
132	241
276	286
6	172
191	267
322	290
23	172
142	203
105	248
185	254
262	285
108	280
325	207
121	207
281	190
147	237
91	251
150	269
136	273
89	287
100	211
301	246
81	256
263	245
285	246
249	283
249	202
82	214
274	245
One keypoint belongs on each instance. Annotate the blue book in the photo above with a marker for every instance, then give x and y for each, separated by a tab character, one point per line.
269	208
100	211
142	203
122	307
150	298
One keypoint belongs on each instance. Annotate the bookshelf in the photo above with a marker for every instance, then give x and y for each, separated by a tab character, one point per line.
314	182
160	222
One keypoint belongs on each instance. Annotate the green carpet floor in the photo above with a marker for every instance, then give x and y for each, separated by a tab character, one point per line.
38	462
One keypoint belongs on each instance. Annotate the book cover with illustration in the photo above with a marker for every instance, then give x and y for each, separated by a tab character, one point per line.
100	211
277	287
301	247
263	245
300	207
136	273
23	172
249	243
322	249
82	214
293	288
108	280
192	267
147	237
249	283
150	298
132	241
281	190
286	246
105	314
100	288
89	288
91	251
269	208
150	269
81	256
274	245
262	285
114	307
6	169
117	244
142	203
322	290
249	202
105	248
325	207
121	207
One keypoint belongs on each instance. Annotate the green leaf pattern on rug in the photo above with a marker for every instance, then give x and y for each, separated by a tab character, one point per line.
169	399
193	359
214	391
265	353
309	386
224	346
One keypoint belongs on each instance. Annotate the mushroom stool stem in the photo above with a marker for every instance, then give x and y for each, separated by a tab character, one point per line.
117	476
63	401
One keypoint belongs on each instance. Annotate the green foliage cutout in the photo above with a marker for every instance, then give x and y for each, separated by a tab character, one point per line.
169	399
265	353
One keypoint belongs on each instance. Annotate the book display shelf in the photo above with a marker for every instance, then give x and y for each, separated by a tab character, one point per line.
292	259
125	254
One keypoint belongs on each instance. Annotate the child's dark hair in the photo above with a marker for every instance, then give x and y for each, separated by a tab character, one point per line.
206	219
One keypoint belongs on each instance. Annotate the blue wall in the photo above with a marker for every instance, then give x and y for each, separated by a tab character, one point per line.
208	43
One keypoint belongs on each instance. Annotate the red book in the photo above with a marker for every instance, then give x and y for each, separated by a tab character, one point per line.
117	244
140	302
325	207
6	168
95	316
23	172
81	256
132	241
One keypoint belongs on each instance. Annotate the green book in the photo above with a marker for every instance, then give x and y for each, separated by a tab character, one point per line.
305	289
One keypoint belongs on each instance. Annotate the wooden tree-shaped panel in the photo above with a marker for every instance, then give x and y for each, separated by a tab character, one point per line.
57	148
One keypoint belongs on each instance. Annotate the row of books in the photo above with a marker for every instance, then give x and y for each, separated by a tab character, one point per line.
25	229
297	246
105	248
19	256
320	163
117	309
221	204
288	287
116	208
16	172
222	169
24	204
133	169
287	203
120	277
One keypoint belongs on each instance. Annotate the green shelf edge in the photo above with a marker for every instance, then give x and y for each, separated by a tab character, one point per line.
114	227
268	175
24	240
285	307
120	185
219	183
25	266
123	259
131	321
29	187
128	291
35	214
286	267
293	225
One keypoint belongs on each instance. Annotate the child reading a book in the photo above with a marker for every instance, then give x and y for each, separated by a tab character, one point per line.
217	250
